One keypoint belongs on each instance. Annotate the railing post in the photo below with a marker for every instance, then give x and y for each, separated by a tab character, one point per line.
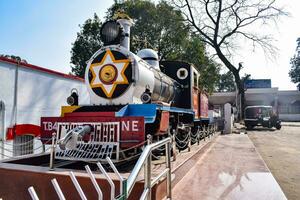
198	135
52	152
145	161
2	148
121	179
148	170
174	145
190	139
43	148
58	190
124	184
77	186
32	193
168	166
110	181
204	133
94	181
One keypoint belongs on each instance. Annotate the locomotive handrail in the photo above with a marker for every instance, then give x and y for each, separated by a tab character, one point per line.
145	160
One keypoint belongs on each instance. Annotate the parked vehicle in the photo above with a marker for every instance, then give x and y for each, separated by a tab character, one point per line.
261	116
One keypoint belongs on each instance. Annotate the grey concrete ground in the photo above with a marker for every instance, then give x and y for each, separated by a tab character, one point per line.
295	124
280	149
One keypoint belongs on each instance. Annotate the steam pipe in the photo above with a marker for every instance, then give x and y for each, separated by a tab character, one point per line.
126	25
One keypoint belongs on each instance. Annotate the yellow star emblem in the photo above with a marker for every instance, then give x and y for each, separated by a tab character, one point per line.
108	73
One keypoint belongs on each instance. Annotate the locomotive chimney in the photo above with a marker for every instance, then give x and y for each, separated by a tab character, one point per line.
126	23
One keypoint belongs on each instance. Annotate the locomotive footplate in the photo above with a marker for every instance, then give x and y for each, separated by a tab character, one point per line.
102	142
109	136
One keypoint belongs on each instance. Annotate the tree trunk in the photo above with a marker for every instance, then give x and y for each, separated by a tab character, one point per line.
241	92
236	73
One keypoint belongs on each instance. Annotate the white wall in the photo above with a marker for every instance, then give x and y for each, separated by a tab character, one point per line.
212	114
290	117
7	72
38	93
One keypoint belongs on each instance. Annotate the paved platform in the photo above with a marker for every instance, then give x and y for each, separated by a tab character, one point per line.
230	169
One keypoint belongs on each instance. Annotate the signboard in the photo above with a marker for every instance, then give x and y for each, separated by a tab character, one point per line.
258	83
132	129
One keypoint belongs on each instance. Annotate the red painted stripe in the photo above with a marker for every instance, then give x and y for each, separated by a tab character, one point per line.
23	129
90	114
37	68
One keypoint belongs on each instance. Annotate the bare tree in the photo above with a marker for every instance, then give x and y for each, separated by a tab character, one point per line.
221	23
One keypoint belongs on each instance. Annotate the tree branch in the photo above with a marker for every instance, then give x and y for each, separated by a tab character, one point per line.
218	22
192	21
208	13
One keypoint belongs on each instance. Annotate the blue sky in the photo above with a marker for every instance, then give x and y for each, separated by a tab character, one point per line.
42	32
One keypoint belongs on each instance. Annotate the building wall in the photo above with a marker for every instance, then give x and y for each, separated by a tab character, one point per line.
289	117
288	102
289	105
38	94
7	72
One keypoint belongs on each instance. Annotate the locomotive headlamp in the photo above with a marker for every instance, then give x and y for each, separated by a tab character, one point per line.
72	100
112	32
146	96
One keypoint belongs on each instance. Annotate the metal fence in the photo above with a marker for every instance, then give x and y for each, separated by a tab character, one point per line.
144	162
126	185
82	195
22	145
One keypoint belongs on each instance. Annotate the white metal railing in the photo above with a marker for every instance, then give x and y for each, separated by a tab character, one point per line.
82	195
126	185
145	161
10	149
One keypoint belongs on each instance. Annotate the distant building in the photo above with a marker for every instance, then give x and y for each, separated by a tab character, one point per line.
285	102
29	92
257	83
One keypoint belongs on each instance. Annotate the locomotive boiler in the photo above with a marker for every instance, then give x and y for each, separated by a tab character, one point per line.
116	76
132	96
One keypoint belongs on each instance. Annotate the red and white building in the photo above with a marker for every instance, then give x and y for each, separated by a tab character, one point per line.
28	92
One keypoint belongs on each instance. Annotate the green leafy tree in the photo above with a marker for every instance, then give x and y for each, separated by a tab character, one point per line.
160	27
194	52
86	44
294	73
226	83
